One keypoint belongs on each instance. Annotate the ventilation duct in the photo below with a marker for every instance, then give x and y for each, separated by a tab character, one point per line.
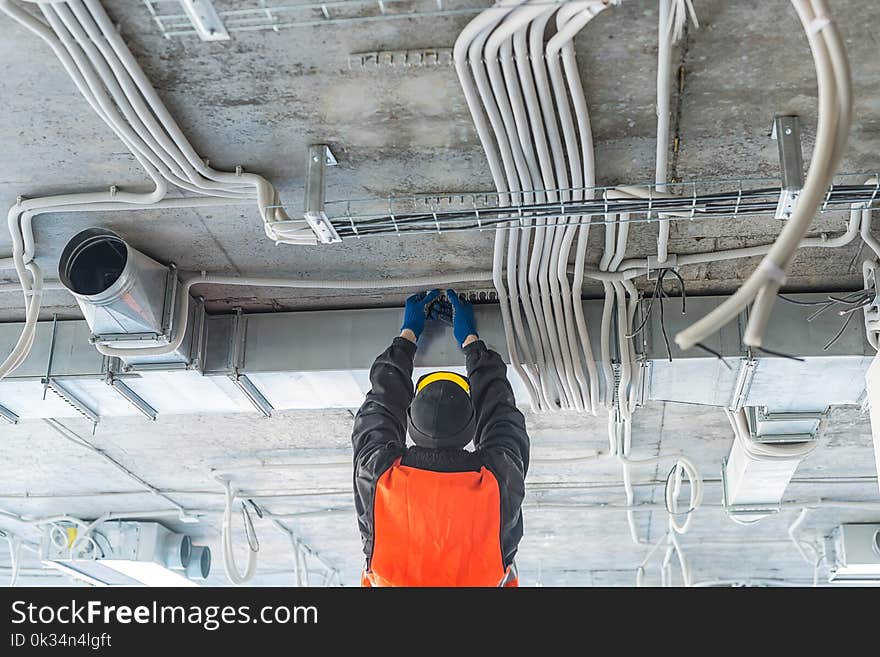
125	553
127	298
200	563
767	450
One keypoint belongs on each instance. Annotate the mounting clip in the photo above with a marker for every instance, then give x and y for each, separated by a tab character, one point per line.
320	157
205	20
787	133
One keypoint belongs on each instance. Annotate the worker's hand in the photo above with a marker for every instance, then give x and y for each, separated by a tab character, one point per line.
414	314
464	327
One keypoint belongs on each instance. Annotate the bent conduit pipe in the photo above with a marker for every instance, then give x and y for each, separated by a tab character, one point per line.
189	281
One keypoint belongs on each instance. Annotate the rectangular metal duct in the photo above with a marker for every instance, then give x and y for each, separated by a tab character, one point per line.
321	359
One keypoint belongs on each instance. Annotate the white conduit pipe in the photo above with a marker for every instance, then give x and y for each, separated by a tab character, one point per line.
570	20
520	176
835	109
549	283
466	75
550	382
96	69
229	566
188	282
543	119
520	86
127	98
765	451
589	182
664	75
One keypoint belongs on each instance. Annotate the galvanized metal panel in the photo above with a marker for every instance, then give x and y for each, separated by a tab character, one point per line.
186	391
784	385
74	356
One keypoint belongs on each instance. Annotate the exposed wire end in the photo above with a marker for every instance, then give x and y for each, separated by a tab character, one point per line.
771	352
714	353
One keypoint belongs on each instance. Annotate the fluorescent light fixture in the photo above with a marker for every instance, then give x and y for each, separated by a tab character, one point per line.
128	553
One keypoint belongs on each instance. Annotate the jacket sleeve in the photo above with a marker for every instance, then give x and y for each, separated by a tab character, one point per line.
379	434
501	438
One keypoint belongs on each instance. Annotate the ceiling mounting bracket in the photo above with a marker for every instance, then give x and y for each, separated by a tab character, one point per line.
8	415
320	157
205	20
787	133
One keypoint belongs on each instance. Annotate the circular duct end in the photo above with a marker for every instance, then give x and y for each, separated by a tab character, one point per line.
178	550
200	564
92	261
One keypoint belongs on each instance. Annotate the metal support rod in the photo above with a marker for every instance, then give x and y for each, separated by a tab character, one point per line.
51	354
320	157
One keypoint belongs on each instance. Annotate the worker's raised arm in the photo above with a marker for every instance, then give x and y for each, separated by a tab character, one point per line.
500	424
379	433
381	419
500	438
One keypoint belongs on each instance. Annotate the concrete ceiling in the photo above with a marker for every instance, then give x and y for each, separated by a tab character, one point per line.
261	98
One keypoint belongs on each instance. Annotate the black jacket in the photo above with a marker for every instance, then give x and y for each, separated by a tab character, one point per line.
501	441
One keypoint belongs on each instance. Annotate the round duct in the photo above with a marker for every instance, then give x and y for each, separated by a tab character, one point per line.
200	563
177	551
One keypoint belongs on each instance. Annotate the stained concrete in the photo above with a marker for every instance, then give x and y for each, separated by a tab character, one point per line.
260	99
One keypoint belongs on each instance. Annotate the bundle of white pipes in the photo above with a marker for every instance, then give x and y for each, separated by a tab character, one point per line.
105	72
527	101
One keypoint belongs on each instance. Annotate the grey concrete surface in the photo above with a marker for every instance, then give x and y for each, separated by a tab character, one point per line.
562	546
261	98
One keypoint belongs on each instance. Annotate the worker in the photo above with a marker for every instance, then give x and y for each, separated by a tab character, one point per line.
435	513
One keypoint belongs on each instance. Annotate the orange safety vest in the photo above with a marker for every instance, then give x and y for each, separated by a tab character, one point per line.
437	529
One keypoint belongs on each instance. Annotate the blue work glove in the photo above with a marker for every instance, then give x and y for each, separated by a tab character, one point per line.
463	323
414	314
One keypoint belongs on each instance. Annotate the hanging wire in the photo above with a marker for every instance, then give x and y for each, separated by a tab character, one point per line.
717	354
658	295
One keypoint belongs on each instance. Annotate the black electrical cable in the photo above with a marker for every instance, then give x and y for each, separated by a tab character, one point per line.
663	319
771	352
714	353
839	334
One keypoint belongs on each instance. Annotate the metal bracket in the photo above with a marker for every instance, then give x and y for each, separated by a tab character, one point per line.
8	415
132	397
253	394
401	58
654	266
802	426
872	311
787	133
236	362
320	157
205	20
68	397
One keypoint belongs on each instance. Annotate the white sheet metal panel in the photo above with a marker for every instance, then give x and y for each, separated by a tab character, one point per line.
873	383
785	385
25	399
97	396
187	391
750	482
